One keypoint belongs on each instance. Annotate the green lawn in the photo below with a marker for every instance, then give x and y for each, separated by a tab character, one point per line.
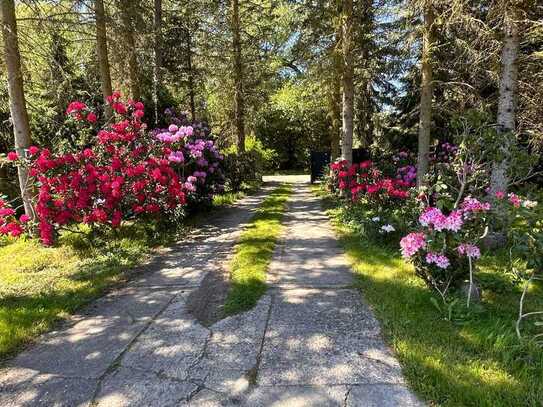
41	285
473	360
253	252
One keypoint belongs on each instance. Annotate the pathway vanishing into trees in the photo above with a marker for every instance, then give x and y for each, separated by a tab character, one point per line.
310	341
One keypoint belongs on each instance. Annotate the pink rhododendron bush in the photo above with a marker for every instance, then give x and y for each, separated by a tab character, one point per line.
126	173
192	146
445	245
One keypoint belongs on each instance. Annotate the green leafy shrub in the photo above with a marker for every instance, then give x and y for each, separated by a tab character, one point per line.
248	166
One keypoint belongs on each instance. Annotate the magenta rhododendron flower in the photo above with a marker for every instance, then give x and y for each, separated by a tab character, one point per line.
91	117
24	218
439	260
75	106
474	205
500	194
515	200
432	217
454	221
470	250
176	156
13	156
7	212
411	243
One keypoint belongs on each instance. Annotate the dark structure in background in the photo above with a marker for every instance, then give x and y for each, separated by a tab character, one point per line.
320	160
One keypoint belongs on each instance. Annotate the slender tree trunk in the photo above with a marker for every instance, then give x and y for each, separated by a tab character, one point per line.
336	117
348	82
128	20
426	93
191	76
239	121
101	52
17	103
157	65
335	102
506	104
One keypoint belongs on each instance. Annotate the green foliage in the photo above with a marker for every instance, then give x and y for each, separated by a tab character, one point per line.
247	166
294	123
254	251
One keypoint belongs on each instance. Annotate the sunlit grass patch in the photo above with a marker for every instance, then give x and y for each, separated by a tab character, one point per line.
254	251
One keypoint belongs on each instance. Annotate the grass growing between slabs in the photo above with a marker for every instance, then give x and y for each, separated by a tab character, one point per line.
254	251
472	359
41	285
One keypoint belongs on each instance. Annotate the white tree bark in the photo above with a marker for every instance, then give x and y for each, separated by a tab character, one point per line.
506	104
17	103
348	82
426	95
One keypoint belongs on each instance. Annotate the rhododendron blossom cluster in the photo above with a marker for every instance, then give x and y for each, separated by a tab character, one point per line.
191	145
126	173
446	240
9	224
412	243
365	179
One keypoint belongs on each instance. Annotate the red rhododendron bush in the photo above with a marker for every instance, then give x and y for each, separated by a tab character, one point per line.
366	179
127	173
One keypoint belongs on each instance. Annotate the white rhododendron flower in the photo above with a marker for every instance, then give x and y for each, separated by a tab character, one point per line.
388	228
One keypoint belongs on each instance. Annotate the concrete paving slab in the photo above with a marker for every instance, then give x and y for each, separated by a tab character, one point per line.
26	387
88	348
232	352
334	311
135	388
297	396
320	358
381	395
171	345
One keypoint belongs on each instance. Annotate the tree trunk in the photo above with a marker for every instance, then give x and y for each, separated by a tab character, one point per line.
17	103
191	76
335	99
128	20
335	138
426	93
158	55
506	104
348	82
101	52
238	76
